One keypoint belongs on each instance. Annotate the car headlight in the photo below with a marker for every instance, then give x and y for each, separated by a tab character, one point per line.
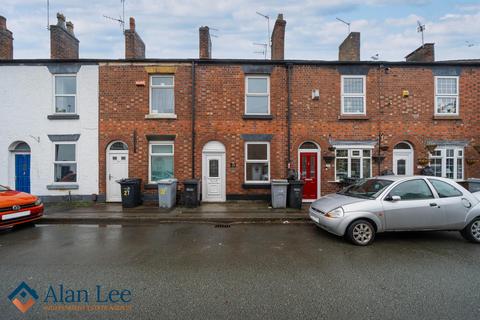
38	202
335	213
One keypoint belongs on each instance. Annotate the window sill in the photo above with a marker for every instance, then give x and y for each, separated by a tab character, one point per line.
63	117
353	117
256	185
446	117
69	186
257	117
154	116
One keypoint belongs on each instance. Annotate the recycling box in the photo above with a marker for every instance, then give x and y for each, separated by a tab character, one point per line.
167	193
279	193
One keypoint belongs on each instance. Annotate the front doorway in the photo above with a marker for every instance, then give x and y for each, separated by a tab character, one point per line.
213	172
308	168
117	168
21	152
403	159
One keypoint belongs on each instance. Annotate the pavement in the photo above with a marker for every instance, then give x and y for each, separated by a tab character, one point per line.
246	271
227	212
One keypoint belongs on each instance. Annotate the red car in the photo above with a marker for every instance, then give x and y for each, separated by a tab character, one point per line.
18	207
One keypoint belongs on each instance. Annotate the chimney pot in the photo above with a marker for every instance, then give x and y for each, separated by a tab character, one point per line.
278	38
70	27
425	53
60	20
349	50
205	48
134	45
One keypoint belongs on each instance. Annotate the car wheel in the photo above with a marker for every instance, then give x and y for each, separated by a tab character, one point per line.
472	231
361	233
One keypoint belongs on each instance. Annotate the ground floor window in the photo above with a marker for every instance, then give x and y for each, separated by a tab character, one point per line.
447	162
257	162
161	161
65	162
353	163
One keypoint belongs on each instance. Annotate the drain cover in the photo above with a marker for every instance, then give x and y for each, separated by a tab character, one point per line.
222	226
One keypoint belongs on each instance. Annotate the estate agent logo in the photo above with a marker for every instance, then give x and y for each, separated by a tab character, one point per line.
23	297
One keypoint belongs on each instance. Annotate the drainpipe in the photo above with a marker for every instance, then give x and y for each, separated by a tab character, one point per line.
289	115
193	119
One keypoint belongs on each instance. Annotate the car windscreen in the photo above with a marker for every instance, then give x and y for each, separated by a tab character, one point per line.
2	188
369	189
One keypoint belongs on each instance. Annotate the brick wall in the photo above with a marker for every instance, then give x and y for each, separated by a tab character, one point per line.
63	43
220	105
6	40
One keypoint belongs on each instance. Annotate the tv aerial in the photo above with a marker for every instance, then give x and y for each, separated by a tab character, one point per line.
267	18
264	47
346	23
120	20
421	29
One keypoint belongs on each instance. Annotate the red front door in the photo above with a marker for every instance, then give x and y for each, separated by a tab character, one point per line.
308	173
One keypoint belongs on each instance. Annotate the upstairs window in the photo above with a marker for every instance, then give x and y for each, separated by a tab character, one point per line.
65	93
353	95
446	95
257	95
353	163
162	100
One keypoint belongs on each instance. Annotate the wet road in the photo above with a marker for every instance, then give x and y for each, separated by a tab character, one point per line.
244	272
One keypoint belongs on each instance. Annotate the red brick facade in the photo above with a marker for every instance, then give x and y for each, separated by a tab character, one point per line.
399	104
6	40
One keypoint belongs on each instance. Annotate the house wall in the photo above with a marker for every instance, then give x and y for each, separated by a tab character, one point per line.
27	98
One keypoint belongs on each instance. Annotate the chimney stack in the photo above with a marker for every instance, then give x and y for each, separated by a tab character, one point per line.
349	50
425	53
6	41
205	43
63	43
278	39
134	46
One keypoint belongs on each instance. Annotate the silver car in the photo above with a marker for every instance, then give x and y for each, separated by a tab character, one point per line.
394	203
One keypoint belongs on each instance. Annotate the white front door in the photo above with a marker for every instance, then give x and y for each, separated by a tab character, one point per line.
213	184
117	168
403	162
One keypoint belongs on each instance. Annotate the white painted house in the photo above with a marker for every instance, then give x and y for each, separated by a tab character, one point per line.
49	125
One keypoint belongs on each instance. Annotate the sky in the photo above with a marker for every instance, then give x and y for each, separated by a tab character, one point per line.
169	28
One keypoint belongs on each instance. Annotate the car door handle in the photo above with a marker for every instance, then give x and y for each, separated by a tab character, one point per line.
433	205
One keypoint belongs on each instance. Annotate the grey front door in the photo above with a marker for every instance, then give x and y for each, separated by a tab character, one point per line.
417	208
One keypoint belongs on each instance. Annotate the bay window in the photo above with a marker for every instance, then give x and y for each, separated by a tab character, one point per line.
447	162
161	161
353	163
257	162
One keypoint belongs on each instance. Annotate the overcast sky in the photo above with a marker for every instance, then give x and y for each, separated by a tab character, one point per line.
170	28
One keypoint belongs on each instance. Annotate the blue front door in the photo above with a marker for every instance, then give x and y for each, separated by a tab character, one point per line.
22	172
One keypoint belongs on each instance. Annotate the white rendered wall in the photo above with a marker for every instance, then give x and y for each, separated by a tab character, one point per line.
26	99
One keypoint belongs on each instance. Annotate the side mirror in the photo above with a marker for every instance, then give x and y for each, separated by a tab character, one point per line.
393	198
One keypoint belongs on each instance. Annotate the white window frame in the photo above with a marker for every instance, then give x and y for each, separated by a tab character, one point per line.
65	162
456	156
350	156
247	94
55	95
456	96
151	86
354	95
257	161
150	154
